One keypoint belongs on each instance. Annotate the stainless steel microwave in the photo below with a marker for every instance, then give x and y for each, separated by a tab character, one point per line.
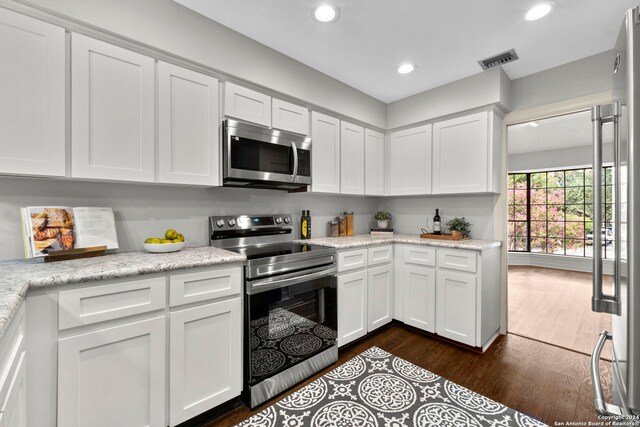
257	157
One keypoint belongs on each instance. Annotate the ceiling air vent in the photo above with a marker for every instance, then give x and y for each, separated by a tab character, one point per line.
499	59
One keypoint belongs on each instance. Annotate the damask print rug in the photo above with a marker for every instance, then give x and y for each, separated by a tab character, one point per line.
378	389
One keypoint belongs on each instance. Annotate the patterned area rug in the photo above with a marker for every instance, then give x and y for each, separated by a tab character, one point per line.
378	389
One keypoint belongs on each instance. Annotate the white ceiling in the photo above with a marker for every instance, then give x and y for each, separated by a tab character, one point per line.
444	38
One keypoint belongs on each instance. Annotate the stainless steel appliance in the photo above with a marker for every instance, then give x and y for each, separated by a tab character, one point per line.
257	157
290	302
623	302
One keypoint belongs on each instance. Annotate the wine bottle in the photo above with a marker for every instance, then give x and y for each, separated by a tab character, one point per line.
304	226
437	228
308	224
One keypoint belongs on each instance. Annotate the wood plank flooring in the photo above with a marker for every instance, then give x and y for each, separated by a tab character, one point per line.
547	382
554	306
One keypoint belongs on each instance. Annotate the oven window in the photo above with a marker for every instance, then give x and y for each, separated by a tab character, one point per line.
289	325
249	154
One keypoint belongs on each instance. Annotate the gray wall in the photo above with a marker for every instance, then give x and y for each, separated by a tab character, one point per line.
148	210
168	26
557	159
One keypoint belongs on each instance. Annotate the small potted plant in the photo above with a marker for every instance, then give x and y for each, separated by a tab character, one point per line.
383	219
459	227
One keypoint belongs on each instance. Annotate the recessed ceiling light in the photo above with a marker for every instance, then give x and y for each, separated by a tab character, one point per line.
326	13
538	11
406	68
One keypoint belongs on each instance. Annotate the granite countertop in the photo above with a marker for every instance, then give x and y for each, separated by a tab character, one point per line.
16	277
363	240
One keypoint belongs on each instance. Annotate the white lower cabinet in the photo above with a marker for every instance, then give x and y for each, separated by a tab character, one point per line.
205	359
13	390
379	296
14	408
419	297
456	296
352	306
113	377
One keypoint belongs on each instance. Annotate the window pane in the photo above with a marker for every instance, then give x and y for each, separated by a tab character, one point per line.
538	213
575	247
521	243
555	212
555	196
511	212
538	244
608	175
556	229
538	197
555	246
555	179
575	212
588	177
511	197
521	213
510	229
574	178
575	230
574	196
538	229
510	179
539	180
520	229
588	195
607	194
520	181
521	197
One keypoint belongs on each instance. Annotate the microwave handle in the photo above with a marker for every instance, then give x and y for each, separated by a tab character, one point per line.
295	160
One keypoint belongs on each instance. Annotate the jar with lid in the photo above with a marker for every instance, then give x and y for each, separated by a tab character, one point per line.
334	229
349	217
342	226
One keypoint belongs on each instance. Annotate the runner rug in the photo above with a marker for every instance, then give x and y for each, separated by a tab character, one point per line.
378	389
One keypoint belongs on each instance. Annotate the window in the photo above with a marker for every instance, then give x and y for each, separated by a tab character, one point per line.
550	212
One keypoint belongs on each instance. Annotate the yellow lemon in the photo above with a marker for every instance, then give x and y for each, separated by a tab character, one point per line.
170	234
180	237
166	241
153	240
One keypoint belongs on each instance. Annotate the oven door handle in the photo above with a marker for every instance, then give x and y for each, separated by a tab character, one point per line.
264	285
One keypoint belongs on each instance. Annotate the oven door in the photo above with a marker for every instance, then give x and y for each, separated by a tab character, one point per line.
257	154
288	320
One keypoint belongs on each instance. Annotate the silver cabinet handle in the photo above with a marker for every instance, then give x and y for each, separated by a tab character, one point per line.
295	161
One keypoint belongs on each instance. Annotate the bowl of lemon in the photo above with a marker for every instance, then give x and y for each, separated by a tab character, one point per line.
172	242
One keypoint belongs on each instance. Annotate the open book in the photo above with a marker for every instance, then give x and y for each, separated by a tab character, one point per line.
53	228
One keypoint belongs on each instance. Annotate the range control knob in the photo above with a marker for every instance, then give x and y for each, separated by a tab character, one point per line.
232	222
220	223
287	220
278	220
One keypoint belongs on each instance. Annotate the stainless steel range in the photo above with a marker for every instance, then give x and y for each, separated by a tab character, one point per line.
290	306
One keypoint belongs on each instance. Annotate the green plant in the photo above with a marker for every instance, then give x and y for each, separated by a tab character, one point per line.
459	224
383	216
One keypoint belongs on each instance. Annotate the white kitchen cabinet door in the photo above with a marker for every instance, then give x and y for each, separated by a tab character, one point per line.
205	358
188	141
112	112
352	158
289	117
247	104
409	165
113	377
460	155
373	163
456	306
325	158
352	307
420	297
14	408
32	100
380	296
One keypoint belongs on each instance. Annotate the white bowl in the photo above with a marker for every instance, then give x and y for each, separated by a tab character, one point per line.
162	248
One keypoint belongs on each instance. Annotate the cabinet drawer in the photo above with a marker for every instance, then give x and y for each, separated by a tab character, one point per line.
420	256
457	260
79	307
352	260
185	288
380	255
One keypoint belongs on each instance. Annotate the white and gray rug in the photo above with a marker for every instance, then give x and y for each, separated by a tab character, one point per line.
378	389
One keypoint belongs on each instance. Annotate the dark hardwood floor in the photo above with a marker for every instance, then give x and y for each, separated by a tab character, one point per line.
547	382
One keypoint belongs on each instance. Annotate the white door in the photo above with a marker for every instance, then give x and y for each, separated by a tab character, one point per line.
188	140
420	297
373	163
456	306
409	165
247	104
380	296
112	112
205	359
14	408
352	307
325	156
352	159
32	100
460	155
289	117
113	377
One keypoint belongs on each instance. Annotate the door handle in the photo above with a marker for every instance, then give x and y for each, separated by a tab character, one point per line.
295	161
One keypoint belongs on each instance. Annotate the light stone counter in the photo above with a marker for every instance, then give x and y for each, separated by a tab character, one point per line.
364	240
16	277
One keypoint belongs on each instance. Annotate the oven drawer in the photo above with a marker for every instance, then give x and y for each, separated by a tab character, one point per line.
99	303
352	260
457	260
185	288
380	255
420	255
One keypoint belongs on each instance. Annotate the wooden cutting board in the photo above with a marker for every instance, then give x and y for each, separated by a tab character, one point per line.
441	236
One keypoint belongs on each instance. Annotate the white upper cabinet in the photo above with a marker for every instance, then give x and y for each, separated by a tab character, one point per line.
409	165
188	141
352	159
289	117
325	156
247	104
32	100
112	112
373	163
463	153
